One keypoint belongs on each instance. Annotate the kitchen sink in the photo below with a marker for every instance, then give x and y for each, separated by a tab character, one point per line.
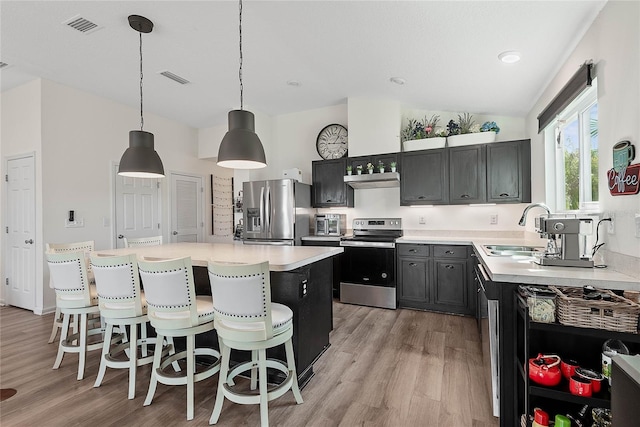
511	250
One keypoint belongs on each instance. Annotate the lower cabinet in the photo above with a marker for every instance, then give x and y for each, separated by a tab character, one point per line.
435	277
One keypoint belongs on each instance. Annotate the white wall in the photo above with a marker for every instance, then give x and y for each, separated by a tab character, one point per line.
613	43
82	137
374	126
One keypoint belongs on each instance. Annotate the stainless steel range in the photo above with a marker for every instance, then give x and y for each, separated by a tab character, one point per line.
368	265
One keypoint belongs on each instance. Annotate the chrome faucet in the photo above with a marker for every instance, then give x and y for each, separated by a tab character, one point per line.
523	218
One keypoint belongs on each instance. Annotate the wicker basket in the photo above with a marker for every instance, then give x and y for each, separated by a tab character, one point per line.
619	314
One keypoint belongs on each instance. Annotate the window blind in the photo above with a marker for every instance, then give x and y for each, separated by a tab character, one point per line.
574	87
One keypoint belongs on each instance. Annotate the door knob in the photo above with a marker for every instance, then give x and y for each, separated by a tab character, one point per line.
120	236
175	233
29	242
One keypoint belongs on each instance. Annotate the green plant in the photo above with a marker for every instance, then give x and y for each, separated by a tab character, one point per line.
417	129
466	123
349	168
380	164
359	167
369	166
393	164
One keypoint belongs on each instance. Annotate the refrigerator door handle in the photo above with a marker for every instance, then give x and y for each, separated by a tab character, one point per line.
268	211
261	209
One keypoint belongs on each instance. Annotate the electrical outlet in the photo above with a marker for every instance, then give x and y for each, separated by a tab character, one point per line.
611	225
493	219
421	220
77	223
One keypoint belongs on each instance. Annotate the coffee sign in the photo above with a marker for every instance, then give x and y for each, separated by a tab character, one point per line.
624	178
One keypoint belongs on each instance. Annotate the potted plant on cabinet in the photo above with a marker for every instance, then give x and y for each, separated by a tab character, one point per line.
349	169
359	169
381	167
421	135
466	132
392	165
370	167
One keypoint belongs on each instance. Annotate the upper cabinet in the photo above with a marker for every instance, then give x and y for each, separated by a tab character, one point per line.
467	175
424	177
509	172
329	188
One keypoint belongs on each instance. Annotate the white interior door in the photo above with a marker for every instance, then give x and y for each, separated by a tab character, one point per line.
21	247
137	209
186	208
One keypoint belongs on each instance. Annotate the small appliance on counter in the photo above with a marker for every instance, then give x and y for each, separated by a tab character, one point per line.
572	232
330	224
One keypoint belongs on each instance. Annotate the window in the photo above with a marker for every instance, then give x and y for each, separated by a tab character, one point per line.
572	147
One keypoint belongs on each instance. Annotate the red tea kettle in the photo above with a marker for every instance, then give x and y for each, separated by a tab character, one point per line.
545	369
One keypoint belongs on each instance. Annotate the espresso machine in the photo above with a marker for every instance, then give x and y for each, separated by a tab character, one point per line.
571	232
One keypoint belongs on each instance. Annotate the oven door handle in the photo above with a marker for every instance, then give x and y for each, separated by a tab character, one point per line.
351	244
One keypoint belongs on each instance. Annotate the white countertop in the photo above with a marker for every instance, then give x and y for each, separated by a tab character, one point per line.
322	238
524	270
281	258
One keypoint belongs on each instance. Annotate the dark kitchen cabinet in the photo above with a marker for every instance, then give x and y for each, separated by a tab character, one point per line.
467	174
434	277
509	172
329	188
424	177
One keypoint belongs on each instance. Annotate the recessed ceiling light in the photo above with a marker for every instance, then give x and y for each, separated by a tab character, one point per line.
397	80
509	57
294	83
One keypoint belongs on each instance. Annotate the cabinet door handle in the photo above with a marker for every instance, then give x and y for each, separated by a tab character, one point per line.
464	196
412	264
504	195
449	252
449	267
328	201
421	197
473	255
413	250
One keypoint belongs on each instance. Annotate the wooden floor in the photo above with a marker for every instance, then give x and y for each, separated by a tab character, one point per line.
384	368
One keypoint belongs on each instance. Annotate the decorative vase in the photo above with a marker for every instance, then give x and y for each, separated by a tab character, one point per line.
359	172
348	172
471	139
381	170
393	168
370	170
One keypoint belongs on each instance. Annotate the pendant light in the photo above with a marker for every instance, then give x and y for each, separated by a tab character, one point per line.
241	148
140	160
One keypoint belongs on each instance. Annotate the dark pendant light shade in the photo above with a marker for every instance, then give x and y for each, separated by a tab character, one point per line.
140	160
241	148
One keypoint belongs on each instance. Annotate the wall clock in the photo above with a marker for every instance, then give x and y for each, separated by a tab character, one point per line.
332	142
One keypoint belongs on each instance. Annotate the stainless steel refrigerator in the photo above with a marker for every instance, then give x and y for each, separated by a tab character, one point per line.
276	212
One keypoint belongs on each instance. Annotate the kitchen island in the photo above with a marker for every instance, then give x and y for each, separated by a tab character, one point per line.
301	278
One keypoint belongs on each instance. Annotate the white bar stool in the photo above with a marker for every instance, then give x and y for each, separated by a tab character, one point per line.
142	241
121	302
74	296
246	319
174	310
87	247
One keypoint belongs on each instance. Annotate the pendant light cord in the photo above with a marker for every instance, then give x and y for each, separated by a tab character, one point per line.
141	116
240	71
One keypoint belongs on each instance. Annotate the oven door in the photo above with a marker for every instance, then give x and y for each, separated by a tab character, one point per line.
368	276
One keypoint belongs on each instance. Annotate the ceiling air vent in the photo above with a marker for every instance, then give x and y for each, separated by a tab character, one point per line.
3	64
174	77
81	24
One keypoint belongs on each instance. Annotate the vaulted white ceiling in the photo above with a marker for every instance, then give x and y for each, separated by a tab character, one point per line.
445	50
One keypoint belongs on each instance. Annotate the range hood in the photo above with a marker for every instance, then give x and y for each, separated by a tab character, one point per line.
373	180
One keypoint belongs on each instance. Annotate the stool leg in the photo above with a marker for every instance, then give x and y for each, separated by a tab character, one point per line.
63	336
56	326
175	364
82	345
191	367
225	353
143	335
291	364
156	364
254	370
264	403
105	351
133	359
75	325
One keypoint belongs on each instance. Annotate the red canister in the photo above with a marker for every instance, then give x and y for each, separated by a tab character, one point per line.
580	386
568	367
593	376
